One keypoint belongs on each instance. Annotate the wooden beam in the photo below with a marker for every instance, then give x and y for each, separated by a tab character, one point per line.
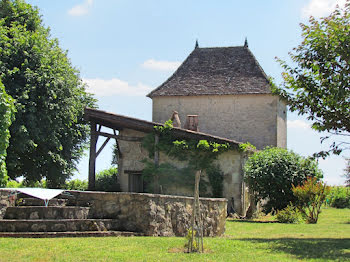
107	135
125	138
103	146
92	159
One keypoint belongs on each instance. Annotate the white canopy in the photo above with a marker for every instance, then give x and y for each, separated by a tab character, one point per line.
42	193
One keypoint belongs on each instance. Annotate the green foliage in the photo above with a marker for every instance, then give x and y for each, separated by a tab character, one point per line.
76	184
13	184
49	134
271	172
7	111
310	197
107	180
245	147
318	86
339	197
41	184
115	154
289	215
192	242
199	155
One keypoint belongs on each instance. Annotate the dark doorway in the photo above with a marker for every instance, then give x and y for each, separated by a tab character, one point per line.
136	182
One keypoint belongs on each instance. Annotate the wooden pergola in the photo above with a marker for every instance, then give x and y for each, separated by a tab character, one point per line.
98	119
115	122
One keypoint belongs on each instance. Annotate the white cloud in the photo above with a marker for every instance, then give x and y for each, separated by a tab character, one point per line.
115	86
298	124
319	8
161	65
81	9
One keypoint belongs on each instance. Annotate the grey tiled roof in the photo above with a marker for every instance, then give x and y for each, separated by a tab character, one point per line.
216	71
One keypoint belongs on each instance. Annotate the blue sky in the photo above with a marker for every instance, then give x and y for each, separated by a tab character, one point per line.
124	49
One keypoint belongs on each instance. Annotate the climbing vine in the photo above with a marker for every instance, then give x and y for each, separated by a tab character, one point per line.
199	155
7	111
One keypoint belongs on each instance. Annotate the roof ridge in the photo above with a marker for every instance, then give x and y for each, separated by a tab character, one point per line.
221	47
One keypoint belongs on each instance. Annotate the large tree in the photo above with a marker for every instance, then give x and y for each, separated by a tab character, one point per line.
318	83
49	133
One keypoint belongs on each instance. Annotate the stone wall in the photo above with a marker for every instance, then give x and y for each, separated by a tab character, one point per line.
243	118
230	163
153	215
282	124
5	202
132	154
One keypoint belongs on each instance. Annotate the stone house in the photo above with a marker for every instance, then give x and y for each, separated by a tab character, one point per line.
221	95
229	91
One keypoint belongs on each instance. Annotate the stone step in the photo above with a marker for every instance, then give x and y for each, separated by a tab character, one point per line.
58	225
40	202
50	212
70	234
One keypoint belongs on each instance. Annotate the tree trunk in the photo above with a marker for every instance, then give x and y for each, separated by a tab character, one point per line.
197	227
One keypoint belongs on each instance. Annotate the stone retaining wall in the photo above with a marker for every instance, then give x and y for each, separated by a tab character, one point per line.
153	215
5	202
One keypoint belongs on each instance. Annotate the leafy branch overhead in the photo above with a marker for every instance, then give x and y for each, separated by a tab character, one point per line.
319	84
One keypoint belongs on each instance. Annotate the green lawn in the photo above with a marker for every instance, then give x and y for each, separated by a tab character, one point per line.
243	241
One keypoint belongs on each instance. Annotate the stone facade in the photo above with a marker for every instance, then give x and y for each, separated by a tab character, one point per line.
281	124
131	158
256	118
152	215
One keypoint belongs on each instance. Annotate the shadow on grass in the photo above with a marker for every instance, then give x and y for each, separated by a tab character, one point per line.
251	221
308	248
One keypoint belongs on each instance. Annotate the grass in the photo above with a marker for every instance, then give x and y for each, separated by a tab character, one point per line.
254	240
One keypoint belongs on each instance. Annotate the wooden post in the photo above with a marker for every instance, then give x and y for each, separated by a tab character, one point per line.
156	163
92	159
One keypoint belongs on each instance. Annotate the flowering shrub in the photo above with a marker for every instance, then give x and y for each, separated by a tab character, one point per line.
310	197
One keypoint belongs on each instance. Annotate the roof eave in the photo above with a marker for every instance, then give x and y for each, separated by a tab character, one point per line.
116	121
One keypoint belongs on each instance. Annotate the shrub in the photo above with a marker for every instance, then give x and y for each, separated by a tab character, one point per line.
107	180
339	197
76	184
40	184
13	184
290	215
271	172
310	197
